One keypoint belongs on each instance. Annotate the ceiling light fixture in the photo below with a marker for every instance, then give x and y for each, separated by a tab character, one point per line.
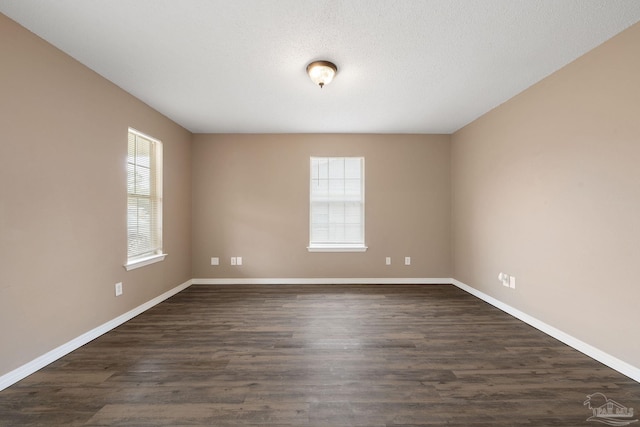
321	72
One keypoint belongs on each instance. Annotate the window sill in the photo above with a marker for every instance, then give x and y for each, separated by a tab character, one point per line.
336	248
141	262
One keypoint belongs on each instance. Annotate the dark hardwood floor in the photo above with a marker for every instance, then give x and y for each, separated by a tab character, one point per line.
318	356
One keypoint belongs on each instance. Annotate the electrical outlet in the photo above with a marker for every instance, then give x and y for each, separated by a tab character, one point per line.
233	260
388	260
507	281
118	289
215	260
407	260
238	260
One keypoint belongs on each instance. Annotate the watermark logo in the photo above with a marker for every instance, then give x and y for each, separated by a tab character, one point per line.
608	411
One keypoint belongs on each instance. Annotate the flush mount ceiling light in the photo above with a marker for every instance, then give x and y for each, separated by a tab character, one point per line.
321	72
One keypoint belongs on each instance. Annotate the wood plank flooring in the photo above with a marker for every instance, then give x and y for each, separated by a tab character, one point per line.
318	356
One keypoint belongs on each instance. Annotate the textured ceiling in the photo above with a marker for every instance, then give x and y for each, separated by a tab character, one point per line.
404	66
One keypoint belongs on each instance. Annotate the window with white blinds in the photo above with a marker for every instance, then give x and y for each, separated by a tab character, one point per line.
144	201
337	204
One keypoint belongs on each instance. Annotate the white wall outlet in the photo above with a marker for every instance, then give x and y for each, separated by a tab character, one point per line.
507	281
387	260
118	289
238	260
215	260
233	260
407	260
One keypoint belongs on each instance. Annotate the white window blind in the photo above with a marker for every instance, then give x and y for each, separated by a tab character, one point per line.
337	204
144	202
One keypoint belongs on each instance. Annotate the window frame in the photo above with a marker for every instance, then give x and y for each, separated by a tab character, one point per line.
155	252
337	246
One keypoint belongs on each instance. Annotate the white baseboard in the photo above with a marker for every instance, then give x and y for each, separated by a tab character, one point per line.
591	351
325	281
27	369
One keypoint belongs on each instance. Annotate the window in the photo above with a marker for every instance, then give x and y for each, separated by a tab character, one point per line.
337	204
144	201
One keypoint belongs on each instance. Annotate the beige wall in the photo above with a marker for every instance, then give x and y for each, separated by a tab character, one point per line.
251	199
547	188
63	145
